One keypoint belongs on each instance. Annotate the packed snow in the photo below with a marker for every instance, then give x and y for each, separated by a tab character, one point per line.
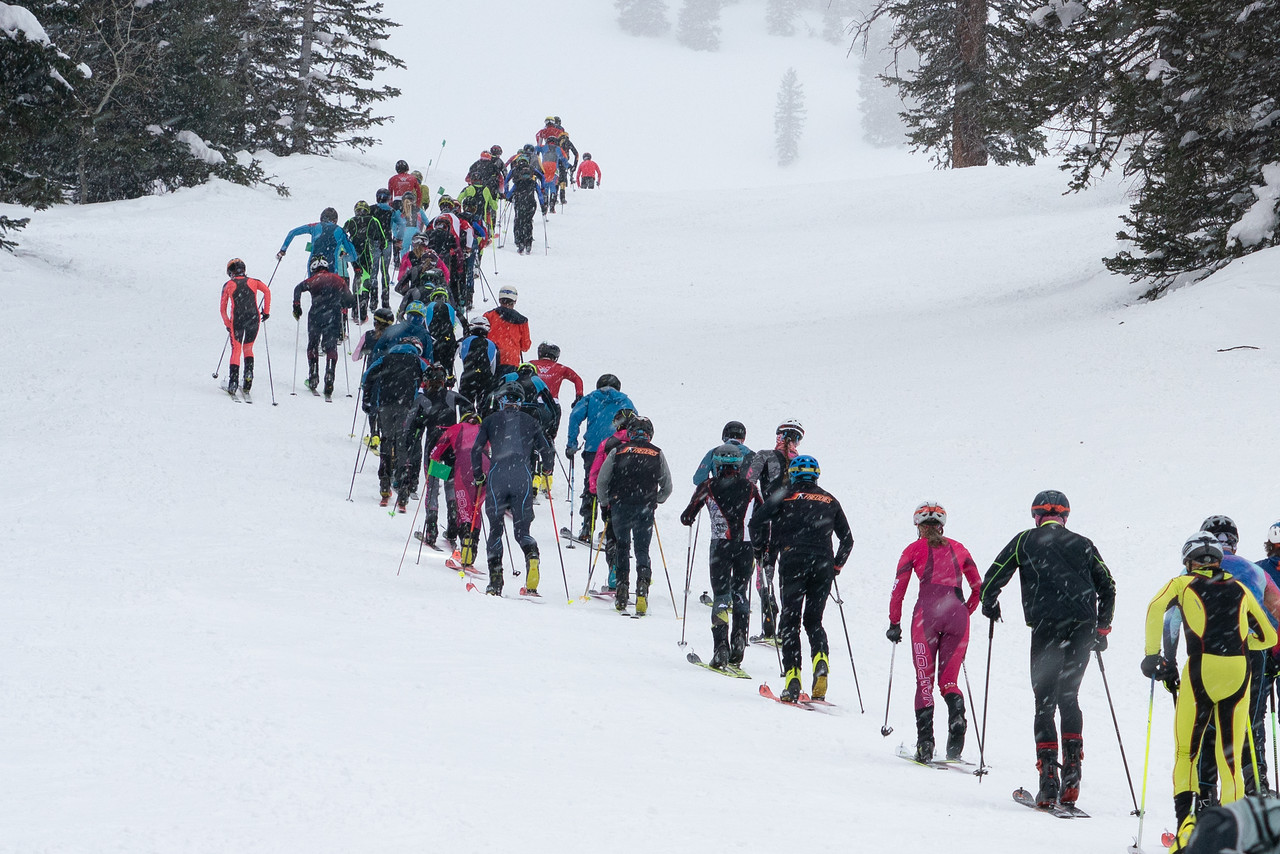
206	648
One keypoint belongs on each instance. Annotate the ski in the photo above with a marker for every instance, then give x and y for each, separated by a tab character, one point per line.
905	753
230	393
766	691
762	640
731	670
706	599
244	395
1022	796
524	591
569	535
417	535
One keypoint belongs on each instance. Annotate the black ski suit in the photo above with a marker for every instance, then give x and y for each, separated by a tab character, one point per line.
329	296
796	523
389	387
728	498
1068	598
367	236
768	469
526	193
512	437
433	411
633	481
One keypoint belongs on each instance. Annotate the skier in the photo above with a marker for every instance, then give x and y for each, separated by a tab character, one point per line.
1271	566
939	623
622	420
567	169
486	172
796	522
588	172
455	445
414	326
550	129
1249	824
728	497
1223	621
509	330
389	386
367	236
392	226
441	321
329	296
512	437
473	216
241	314
382	320
524	190
446	236
403	183
597	409
768	470
1068	598
538	401
327	240
553	163
435	408
421	272
633	481
734	433
554	375
479	358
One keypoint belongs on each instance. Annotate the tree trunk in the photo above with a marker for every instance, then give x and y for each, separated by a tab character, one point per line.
968	137
304	75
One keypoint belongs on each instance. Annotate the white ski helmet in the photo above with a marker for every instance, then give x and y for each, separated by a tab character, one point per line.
507	293
479	322
1273	534
1202	548
792	425
930	511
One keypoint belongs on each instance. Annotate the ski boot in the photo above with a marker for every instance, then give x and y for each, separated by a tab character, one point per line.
621	596
791	690
531	575
313	377
329	370
467	551
768	613
820	671
402	503
956	725
642	595
429	531
495	578
233	380
720	634
386	498
1047	765
246	382
738	641
924	734
1072	757
1186	819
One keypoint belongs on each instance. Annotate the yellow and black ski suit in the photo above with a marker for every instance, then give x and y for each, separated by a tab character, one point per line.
1222	622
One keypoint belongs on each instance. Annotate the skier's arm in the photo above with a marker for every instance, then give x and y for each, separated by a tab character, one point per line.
760	518
901	579
297	295
576	417
266	295
300	230
227	290
602	480
845	536
703	471
1262	634
970	571
690	513
477	450
1167	596
1001	570
525	341
572	376
664	478
1106	587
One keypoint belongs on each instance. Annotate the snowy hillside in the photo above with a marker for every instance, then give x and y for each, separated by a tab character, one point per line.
207	649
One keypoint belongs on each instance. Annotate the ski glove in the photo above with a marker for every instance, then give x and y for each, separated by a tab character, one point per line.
297	312
1100	639
479	480
1273	666
1161	668
569	452
991	610
687	519
894	633
280	255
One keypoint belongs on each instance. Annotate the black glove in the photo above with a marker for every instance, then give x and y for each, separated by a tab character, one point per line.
265	316
1100	639
479	481
687	519
1273	666
1159	667
297	312
576	398
1170	678
894	633
280	255
544	210
569	452
991	609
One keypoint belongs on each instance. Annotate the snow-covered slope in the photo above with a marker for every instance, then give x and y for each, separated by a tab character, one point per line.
206	648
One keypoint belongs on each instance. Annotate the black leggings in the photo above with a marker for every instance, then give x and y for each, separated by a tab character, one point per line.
806	583
1059	658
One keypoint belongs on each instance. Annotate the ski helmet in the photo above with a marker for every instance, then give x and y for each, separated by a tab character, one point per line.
436	373
550	120
726	456
528	148
556	119
362	208
609	380
622	419
1273	534
417	174
586	155
507	293
318	263
510	395
328	215
419	239
484	155
547	350
1202	549
385	316
442	223
734	430
480	323
470	418
791	429
416	307
402	167
235	267
471	204
640	428
804	467
383	196
526	369
438	293
1050	502
1224	528
495	150
928	512
446	203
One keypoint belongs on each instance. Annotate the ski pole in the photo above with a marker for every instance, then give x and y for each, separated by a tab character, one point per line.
886	729
439	155
1127	776
986	694
1275	748
554	527
271	383
968	690
591	531
571	511
773	598
1146	763
355	411
688	575
412	527
297	323
511	558
840	603
670	590
346	371
546	250
356	466
223	356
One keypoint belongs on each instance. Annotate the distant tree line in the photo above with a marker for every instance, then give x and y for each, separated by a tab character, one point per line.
114	99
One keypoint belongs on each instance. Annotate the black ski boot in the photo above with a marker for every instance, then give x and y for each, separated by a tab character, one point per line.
233	380
495	578
1047	765
621	596
430	531
313	376
720	633
738	639
330	369
768	613
956	725
924	734
821	668
1072	756
247	384
791	692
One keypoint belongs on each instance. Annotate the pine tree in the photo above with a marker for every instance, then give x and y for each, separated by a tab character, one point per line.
880	104
833	21
788	118
780	17
642	17
699	24
1194	117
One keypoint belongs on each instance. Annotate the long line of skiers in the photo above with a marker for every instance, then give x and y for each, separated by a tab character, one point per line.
484	436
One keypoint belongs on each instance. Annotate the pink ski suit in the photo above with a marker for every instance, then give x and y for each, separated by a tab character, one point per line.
460	438
940	622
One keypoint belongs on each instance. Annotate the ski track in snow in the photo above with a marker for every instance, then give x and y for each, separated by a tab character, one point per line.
206	648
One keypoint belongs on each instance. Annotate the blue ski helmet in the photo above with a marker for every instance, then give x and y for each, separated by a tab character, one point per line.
726	456
416	307
804	467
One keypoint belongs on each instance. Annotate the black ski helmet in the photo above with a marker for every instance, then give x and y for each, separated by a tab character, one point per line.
510	395
235	267
384	316
383	196
401	167
329	215
640	428
318	263
734	430
436	373
586	155
495	150
362	208
622	419
609	380
547	350
1050	502
726	456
